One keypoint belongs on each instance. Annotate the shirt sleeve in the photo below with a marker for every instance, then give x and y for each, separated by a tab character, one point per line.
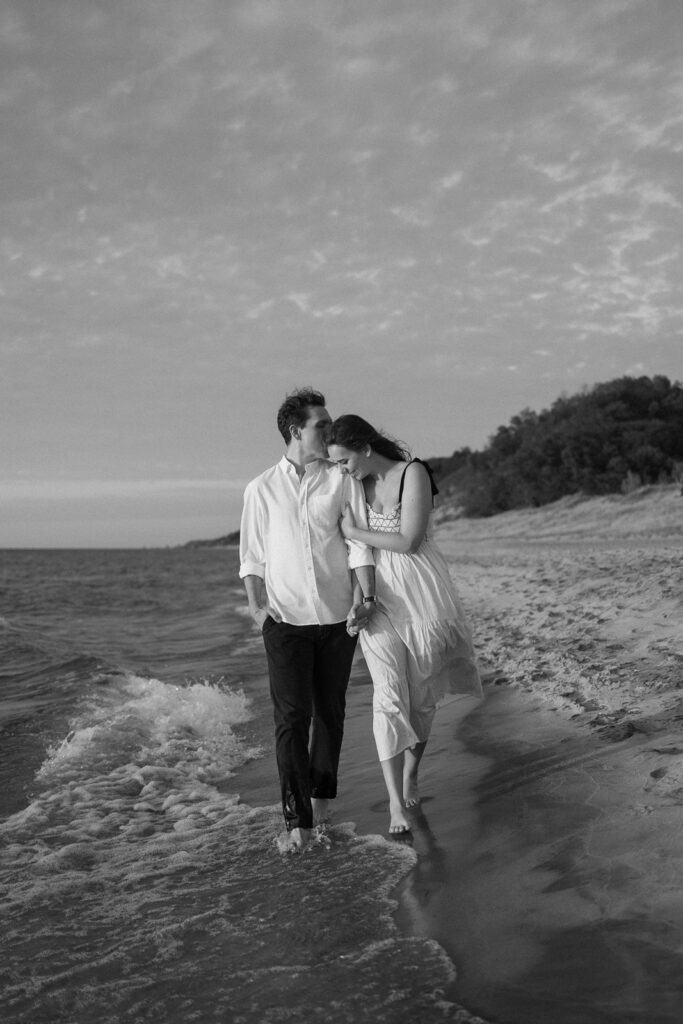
252	553
359	554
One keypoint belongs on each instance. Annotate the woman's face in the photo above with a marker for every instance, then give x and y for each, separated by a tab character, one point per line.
353	463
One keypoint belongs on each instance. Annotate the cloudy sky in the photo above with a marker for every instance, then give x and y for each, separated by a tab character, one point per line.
437	213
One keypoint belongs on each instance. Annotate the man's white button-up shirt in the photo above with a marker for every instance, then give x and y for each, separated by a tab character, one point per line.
290	537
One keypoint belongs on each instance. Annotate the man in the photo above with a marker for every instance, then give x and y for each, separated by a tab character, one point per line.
298	576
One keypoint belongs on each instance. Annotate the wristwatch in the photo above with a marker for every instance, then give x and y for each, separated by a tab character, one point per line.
370	598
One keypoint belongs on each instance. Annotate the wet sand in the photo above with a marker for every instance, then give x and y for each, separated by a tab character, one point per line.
551	841
550	882
550	836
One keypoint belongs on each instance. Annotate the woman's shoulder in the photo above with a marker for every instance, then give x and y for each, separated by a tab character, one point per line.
420	472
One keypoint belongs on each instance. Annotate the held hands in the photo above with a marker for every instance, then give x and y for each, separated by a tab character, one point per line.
359	617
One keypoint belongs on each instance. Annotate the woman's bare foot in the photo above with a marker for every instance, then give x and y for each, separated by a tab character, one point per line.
321	810
398	823
411	794
411	763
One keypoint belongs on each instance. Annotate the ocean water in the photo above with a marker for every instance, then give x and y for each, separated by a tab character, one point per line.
137	881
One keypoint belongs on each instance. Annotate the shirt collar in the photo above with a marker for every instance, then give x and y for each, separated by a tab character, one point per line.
309	469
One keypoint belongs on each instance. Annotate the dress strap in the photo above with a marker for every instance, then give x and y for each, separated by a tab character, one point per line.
430	471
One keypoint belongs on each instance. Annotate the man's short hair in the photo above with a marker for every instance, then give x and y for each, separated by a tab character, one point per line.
294	411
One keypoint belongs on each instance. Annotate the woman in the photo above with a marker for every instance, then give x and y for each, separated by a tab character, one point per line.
417	645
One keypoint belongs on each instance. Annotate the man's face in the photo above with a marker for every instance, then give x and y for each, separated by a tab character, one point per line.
314	433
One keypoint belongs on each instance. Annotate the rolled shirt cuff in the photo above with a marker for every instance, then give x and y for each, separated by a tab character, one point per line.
252	569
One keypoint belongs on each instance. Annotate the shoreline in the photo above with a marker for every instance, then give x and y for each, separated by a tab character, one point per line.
549	850
549	837
548	870
567	904
535	851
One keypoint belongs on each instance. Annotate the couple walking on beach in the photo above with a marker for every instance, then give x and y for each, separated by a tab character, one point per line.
335	544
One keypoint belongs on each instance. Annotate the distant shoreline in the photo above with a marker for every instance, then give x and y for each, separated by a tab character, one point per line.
653	510
230	540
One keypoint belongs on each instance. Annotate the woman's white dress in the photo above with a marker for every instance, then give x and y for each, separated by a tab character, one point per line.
418	646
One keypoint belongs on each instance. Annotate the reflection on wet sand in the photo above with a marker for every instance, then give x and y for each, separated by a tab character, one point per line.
544	888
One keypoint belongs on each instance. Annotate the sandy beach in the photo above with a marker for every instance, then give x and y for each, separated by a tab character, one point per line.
549	840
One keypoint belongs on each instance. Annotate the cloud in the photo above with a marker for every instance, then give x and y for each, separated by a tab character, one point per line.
418	216
557	172
612	181
301	301
199	191
451	181
645	118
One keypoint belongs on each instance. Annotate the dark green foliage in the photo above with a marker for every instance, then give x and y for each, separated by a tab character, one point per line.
230	540
613	437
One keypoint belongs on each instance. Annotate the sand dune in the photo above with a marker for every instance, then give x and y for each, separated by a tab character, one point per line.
580	603
654	512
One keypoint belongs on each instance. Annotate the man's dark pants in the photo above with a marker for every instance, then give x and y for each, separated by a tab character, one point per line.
309	668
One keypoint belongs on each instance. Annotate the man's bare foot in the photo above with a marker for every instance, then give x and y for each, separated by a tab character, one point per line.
294	841
411	793
321	810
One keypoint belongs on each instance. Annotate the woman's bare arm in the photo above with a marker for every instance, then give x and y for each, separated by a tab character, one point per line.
416	505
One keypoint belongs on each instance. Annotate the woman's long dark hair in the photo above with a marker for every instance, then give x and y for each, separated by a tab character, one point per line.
355	433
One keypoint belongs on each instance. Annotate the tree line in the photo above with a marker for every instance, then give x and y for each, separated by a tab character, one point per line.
609	438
